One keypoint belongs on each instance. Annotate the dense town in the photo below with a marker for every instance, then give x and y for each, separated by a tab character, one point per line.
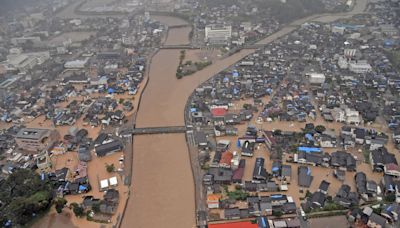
307	122
301	129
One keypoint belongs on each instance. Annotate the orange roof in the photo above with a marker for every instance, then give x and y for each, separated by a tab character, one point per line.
226	158
213	197
234	225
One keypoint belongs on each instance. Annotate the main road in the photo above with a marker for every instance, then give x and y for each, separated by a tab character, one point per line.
162	190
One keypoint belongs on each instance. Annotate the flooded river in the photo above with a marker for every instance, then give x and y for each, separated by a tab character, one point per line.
181	36
162	187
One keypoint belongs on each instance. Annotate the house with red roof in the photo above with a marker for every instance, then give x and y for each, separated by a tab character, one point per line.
218	112
246	224
226	160
392	169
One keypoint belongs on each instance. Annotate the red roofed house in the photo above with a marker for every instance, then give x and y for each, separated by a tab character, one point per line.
218	112
392	169
226	159
238	175
246	224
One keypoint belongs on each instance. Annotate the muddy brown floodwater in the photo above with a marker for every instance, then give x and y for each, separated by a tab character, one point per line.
162	187
181	36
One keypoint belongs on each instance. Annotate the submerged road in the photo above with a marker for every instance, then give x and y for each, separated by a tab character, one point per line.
163	189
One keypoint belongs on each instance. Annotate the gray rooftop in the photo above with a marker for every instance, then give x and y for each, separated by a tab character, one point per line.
32	133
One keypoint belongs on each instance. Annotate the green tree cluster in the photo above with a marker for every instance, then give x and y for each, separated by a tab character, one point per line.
78	210
59	204
237	195
110	168
23	196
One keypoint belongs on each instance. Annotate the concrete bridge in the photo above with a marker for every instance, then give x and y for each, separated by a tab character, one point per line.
250	46
179	26
254	46
178	47
158	130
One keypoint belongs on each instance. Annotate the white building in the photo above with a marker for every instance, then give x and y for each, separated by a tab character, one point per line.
353	117
41	57
27	61
22	62
316	78
76	64
350	52
61	50
338	29
246	26
360	67
339	115
389	29
218	34
15	51
342	63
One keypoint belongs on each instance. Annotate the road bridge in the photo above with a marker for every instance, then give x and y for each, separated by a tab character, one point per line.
158	130
253	46
178	47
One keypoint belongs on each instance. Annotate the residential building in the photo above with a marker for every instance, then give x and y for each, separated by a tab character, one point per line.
360	67
376	221
108	148
213	200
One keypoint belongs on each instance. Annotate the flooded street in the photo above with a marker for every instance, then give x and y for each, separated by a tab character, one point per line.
329	222
54	219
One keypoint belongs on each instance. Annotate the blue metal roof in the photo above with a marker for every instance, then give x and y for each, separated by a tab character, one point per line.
309	149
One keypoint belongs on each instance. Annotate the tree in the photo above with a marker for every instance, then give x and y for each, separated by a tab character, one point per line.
60	203
277	213
237	195
23	196
78	210
121	100
110	168
320	128
96	207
